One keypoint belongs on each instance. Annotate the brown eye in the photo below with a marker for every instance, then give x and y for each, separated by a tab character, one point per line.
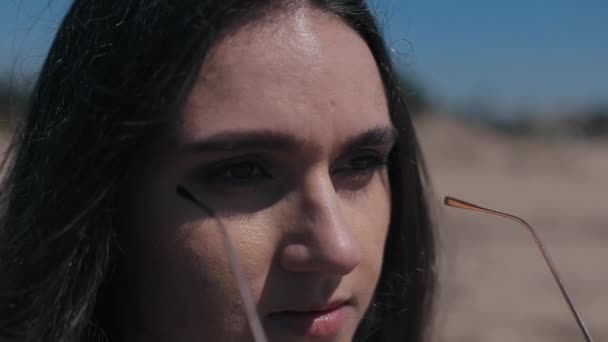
243	171
238	173
364	163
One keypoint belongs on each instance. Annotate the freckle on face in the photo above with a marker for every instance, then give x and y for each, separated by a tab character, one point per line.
308	226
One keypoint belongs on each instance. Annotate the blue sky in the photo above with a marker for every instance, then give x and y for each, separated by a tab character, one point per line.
550	55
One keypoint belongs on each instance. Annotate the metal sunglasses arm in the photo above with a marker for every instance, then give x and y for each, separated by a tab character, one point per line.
457	203
252	315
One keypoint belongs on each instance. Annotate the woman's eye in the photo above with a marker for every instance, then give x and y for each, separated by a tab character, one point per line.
239	173
365	163
355	173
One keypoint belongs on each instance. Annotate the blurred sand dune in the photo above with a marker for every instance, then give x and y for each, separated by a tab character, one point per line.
494	284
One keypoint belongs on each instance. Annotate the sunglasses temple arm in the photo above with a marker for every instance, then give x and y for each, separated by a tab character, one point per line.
252	316
456	203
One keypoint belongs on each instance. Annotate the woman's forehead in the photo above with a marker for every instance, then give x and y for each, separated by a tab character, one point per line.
306	70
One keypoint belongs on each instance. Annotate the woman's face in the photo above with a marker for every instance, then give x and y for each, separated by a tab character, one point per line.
285	136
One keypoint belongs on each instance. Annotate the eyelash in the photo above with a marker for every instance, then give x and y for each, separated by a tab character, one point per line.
223	174
372	162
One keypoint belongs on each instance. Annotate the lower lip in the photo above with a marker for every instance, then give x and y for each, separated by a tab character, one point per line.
318	324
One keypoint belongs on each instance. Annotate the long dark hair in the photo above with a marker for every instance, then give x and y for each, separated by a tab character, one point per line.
114	74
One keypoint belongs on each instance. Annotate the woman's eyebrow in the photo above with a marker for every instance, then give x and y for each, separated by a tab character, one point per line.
377	136
248	140
278	141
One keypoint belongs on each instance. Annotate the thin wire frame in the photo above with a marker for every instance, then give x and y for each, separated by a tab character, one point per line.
457	203
250	309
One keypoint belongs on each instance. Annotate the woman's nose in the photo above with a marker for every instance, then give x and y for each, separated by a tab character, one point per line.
323	241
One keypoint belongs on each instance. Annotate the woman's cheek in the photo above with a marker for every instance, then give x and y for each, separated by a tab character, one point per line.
202	286
370	217
252	239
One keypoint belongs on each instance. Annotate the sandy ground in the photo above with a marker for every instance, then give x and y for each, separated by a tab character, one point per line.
494	283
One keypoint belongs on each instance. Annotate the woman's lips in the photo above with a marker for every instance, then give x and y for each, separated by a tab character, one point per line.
312	324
